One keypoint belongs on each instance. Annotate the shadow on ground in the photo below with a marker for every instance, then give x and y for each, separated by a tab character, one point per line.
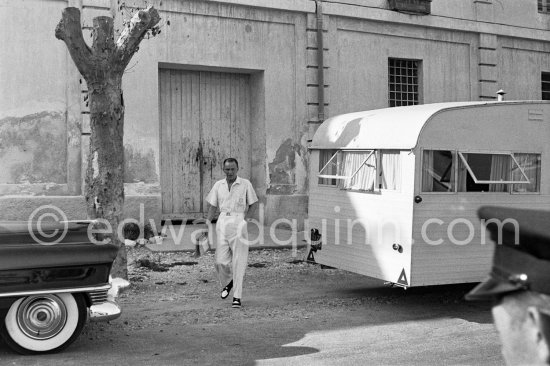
283	320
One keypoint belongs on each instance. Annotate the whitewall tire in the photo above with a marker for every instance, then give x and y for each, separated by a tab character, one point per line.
44	323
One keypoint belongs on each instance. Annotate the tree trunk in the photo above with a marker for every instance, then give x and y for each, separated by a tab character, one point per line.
105	174
102	66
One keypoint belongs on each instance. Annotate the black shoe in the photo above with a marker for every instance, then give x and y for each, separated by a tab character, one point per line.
236	303
226	289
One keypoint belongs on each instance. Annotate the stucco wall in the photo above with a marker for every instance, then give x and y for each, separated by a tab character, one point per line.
359	80
468	51
23	208
521	63
39	129
215	37
269	45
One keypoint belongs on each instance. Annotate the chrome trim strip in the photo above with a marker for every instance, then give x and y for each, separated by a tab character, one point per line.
56	291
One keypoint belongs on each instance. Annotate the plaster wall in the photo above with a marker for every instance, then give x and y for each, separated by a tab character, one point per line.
43	142
270	46
359	67
521	63
507	17
39	128
23	208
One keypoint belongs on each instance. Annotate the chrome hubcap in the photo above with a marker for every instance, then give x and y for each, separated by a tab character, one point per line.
41	317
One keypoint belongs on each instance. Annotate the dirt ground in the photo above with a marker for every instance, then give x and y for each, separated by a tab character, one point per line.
293	313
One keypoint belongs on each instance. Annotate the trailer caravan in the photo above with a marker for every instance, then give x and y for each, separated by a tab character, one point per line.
394	192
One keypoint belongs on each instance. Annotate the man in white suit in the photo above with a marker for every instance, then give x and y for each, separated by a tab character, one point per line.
234	197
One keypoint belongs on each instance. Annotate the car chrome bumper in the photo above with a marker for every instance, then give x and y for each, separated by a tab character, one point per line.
109	310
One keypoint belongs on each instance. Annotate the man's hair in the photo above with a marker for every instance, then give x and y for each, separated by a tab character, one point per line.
518	302
231	160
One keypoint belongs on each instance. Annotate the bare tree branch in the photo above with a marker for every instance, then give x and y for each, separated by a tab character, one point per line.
128	42
103	43
69	30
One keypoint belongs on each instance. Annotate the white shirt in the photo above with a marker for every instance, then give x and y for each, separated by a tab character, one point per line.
235	200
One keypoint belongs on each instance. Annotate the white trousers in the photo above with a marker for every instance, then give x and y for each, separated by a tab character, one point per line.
232	251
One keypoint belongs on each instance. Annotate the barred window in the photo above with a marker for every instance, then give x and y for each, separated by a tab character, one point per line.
545	83
404	82
544	6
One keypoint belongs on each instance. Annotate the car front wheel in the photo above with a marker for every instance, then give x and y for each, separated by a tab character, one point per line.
44	323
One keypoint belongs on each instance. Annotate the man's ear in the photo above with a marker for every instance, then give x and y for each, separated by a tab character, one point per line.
540	322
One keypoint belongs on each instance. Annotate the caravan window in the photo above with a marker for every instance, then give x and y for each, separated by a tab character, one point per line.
348	169
358	170
362	170
328	166
390	170
438	171
530	164
480	172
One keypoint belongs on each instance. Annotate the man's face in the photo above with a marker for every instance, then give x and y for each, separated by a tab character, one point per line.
517	346
230	169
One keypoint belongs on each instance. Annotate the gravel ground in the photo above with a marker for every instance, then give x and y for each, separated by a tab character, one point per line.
192	282
293	313
187	291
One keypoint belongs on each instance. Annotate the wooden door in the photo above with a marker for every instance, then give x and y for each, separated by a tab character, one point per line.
204	119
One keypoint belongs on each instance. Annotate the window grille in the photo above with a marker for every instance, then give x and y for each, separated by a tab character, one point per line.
544	6
418	7
404	82
545	83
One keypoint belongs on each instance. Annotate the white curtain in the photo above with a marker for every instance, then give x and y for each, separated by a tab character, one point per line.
366	171
500	170
391	170
530	163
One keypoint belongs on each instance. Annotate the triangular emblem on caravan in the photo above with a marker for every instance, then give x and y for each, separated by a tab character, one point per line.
403	278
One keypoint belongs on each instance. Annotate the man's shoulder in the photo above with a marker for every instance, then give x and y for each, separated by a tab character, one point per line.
218	182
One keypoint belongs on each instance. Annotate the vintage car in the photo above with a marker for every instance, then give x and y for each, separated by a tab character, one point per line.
53	278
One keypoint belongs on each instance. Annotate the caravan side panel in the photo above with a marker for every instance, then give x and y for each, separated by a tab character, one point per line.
360	228
450	243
